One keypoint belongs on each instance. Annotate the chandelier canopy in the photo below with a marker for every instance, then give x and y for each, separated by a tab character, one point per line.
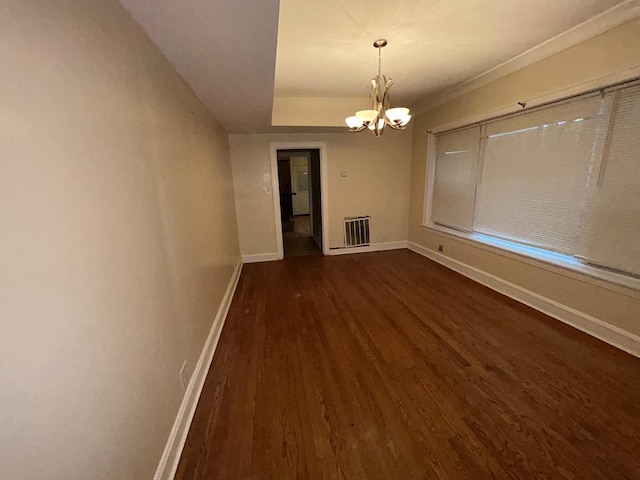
379	113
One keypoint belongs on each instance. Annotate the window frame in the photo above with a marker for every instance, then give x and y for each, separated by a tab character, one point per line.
563	264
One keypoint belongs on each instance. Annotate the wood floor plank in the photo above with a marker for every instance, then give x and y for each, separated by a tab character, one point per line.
389	366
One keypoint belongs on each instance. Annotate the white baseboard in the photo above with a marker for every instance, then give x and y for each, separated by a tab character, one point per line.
374	247
610	334
170	459
261	257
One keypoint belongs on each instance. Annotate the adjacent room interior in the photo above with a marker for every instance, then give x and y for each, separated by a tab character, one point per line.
332	239
300	202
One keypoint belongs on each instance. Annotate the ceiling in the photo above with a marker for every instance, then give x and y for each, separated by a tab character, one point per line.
226	49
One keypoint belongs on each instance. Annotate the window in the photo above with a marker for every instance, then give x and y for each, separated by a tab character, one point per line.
454	187
564	178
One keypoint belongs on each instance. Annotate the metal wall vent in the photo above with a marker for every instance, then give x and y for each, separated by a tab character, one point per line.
356	231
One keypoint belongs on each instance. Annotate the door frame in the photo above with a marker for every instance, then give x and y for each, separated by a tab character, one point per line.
275	190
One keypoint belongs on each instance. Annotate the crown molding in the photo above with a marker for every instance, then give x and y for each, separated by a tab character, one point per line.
621	13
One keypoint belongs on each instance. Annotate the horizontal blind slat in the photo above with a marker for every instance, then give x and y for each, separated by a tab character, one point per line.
454	183
535	169
610	230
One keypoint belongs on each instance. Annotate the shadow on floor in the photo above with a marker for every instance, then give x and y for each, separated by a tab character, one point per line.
297	238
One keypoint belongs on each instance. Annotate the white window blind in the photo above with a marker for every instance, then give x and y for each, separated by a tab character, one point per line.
610	231
563	178
455	178
533	174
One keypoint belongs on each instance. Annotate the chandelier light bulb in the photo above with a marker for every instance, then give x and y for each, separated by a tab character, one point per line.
353	122
398	115
367	117
380	122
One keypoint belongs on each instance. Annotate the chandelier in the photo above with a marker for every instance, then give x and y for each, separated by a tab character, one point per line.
379	113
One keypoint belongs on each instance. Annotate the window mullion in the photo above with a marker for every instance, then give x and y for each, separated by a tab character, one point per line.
479	165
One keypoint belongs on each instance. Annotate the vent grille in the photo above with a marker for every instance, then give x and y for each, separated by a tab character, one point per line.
356	231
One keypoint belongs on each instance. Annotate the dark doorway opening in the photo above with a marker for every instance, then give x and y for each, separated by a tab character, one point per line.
300	201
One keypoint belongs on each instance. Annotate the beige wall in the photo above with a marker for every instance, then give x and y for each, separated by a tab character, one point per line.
377	184
315	111
600	59
117	243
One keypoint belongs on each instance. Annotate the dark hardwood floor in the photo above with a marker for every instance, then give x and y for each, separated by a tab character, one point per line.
389	366
297	240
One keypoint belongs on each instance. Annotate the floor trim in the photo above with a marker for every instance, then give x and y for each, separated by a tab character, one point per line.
170	459
374	247
610	334
260	257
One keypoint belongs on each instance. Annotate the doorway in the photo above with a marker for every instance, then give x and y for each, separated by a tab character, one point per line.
300	201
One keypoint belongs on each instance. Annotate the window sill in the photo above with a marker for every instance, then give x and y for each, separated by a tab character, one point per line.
556	262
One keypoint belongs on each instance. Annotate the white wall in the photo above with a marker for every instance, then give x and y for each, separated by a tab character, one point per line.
118	240
377	184
611	56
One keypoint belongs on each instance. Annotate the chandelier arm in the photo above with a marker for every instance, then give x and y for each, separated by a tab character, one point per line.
385	94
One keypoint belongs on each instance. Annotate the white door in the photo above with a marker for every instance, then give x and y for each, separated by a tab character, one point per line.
300	187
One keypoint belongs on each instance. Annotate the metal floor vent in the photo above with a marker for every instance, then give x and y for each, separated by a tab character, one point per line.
356	231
